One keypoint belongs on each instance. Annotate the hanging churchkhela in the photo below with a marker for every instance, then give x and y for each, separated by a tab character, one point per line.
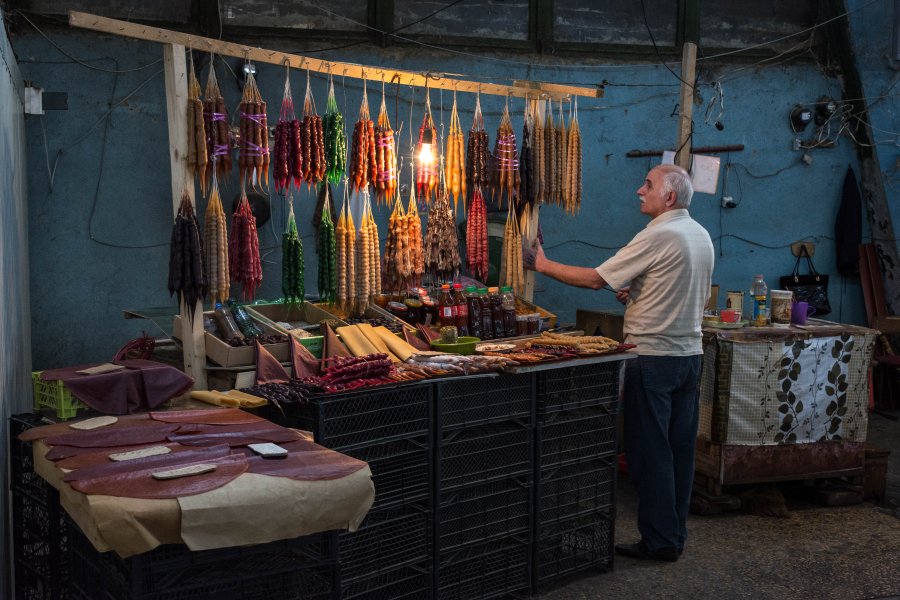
526	157
550	166
368	261
244	265
573	164
427	168
396	269
513	273
327	275
335	139
416	241
477	152
215	247
385	156
363	167
253	161
287	151
538	147
506	162
293	285
215	121
345	245
441	245
187	277
312	142
197	157
476	237
455	170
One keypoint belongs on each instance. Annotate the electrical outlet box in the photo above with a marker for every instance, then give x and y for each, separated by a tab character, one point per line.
810	248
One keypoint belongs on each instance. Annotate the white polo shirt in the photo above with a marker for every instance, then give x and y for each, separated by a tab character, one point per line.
669	267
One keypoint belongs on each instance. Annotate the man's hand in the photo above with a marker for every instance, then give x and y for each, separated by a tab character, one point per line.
532	254
623	294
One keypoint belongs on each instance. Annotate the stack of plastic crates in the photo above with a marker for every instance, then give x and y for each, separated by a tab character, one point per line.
576	446
39	535
299	569
53	396
390	428
484	471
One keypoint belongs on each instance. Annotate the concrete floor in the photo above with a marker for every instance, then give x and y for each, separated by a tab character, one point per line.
817	553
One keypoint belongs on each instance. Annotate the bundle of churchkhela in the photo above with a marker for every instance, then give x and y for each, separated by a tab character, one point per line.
455	169
427	165
506	177
526	156
335	138
215	122
345	248
312	141
538	147
476	237
441	245
196	132
477	152
215	247
572	196
363	165
512	269
327	276
244	265
561	172
187	277
397	269
287	150
293	284
368	260
253	160
385	156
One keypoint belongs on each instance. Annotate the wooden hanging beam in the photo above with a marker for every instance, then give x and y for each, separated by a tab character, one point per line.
685	120
700	150
521	89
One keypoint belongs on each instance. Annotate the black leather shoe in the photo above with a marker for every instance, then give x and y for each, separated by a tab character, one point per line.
640	551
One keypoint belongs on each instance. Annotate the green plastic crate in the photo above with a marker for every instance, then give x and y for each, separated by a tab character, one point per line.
54	395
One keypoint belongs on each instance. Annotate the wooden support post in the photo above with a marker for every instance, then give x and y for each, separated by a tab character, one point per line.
193	346
529	235
685	121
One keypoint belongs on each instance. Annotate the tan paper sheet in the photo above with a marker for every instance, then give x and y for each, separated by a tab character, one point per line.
252	509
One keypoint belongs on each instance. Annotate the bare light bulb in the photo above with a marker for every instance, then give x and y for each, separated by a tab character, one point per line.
426	156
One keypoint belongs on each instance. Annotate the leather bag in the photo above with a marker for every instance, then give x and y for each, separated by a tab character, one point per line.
811	287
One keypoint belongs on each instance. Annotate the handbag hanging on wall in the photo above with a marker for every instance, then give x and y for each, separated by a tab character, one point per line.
812	287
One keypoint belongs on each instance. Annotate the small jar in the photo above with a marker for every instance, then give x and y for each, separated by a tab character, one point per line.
534	323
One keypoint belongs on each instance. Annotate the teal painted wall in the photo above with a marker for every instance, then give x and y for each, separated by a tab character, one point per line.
99	235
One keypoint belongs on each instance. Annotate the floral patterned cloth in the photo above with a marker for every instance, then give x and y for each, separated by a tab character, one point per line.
808	386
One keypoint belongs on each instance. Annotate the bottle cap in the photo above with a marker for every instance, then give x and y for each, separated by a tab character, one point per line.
457	286
470	288
492	290
445	286
482	290
505	289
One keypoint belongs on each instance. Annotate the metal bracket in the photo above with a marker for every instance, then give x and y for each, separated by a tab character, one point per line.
810	248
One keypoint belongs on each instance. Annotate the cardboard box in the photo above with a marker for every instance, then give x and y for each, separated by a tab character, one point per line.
274	313
219	352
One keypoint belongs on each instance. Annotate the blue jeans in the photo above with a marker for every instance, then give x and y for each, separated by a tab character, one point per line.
661	419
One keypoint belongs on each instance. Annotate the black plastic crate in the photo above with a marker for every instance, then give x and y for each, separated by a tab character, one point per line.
472	401
483	512
363	417
573	546
583	488
303	568
412	582
566	388
21	461
387	539
482	454
491	570
401	470
570	436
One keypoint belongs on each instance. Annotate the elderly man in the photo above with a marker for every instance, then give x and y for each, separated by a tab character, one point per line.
663	277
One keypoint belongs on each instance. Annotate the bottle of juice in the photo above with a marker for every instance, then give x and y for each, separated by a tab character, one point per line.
487	321
474	308
462	310
509	311
758	291
447	307
497	312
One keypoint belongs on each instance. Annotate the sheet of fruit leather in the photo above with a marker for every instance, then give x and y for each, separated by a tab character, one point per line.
86	457
108	437
238	435
255	509
140	482
230	398
141	385
159	462
306	465
45	431
206	416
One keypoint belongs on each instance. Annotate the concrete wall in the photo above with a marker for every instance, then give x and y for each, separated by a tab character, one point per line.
15	316
100	233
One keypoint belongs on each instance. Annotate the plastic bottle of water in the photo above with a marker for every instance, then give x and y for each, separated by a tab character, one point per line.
759	292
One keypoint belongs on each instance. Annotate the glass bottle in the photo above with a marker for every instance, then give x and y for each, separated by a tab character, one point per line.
487	321
243	320
758	291
228	329
497	312
474	308
462	310
508	302
447	307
